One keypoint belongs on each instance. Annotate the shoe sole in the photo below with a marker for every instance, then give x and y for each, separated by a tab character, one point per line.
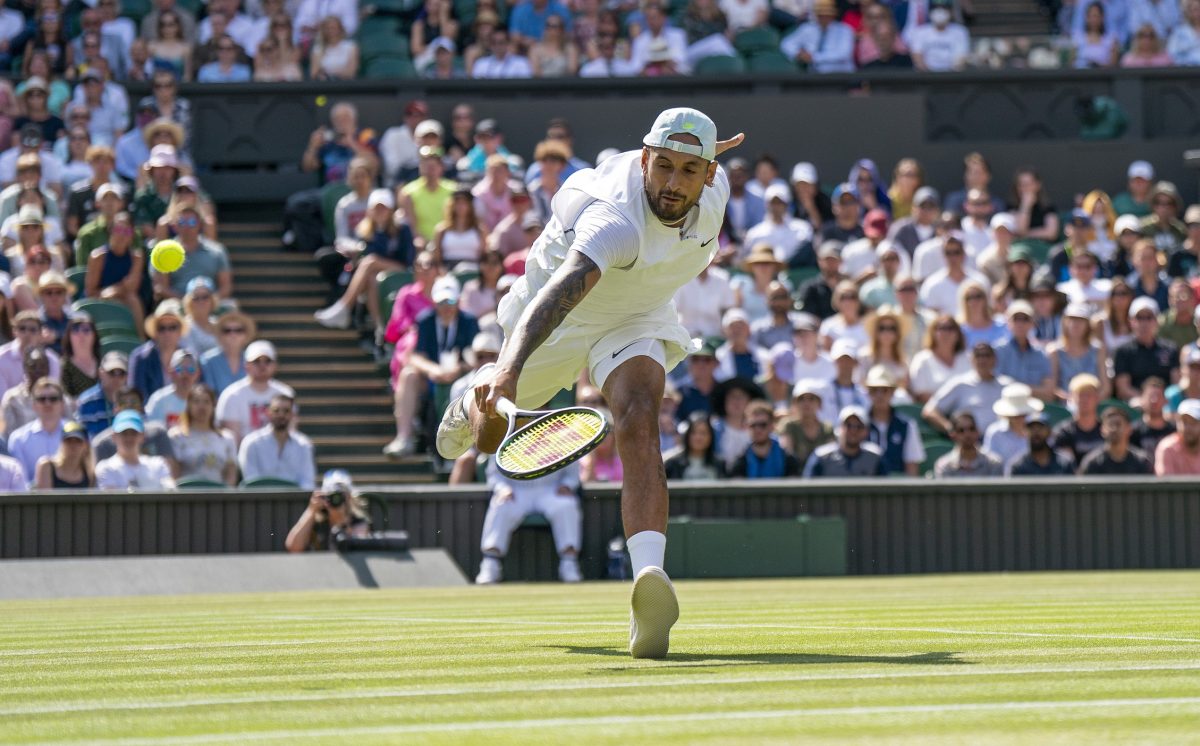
655	610
451	451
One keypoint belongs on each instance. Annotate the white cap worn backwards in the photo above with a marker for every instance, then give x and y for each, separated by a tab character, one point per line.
684	121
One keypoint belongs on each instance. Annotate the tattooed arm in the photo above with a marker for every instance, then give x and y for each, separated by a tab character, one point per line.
565	289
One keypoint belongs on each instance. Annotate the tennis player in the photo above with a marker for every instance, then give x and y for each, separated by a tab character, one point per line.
597	292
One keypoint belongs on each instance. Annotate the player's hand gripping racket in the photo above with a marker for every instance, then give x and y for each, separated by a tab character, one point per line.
556	438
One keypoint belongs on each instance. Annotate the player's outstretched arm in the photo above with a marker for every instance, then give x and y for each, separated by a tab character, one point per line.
565	289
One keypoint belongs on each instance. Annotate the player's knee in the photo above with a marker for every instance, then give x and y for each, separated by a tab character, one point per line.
636	417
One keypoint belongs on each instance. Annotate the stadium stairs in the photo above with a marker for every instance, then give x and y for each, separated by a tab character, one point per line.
1008	18
344	399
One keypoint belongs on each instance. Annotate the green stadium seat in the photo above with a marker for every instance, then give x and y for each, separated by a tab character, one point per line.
934	450
378	47
330	194
913	412
268	482
719	65
800	275
199	483
755	41
1134	413
108	315
119	343
387	68
388	284
1056	413
136	10
77	275
770	62
465	275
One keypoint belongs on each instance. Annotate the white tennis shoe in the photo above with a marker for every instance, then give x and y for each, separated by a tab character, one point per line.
454	437
654	610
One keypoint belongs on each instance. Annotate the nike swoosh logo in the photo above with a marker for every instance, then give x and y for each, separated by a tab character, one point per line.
706	243
626	347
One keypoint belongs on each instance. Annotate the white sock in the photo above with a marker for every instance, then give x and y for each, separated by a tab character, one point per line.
646	549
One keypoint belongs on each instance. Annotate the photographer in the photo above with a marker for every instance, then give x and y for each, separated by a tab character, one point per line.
334	510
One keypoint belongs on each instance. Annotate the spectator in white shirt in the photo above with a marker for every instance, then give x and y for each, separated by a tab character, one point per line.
243	406
1184	42
1162	15
502	62
277	450
129	469
701	302
940	290
398	147
745	14
976	224
927	258
606	63
168	403
805	359
784	233
861	257
658	30
940	45
825	45
311	12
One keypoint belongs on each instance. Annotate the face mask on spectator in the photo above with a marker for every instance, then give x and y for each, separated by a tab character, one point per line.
939	16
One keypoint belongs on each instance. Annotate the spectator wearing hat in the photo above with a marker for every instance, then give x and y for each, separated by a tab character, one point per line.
1186	261
744	210
852	454
1007	437
1145	355
928	257
27	328
242	406
552	157
702	301
973	392
1076	352
844	389
1037	459
898	437
54	293
787	236
81	354
825	44
330	149
775	328
847	211
168	403
764	458
739	356
488	141
1126	232
1017	358
1135	200
202	450
199	304
42	435
1177	325
149	361
424	199
48	175
993	261
82	205
1078	436
1162	225
32	233
35	263
869	186
920	226
96	406
967	459
34	95
226	363
1018	279
880	290
976	224
1116	455
399	146
70	467
150	202
129	469
940	291
802	430
204	258
750	291
17	403
730	398
502	61
860	258
443	334
324	522
444	64
696	393
809	203
1179	452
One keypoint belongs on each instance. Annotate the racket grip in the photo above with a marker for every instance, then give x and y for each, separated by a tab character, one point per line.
506	408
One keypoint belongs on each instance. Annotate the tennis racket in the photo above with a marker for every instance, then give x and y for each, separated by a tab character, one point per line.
556	438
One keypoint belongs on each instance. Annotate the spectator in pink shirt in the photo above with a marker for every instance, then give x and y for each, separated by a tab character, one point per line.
1179	453
1146	50
493	200
410	302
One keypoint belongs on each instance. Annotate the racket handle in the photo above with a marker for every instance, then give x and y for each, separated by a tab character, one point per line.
506	408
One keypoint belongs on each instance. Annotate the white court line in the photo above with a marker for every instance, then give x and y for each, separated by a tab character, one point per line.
687	717
565	686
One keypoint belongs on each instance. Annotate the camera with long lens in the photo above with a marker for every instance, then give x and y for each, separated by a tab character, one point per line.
336	499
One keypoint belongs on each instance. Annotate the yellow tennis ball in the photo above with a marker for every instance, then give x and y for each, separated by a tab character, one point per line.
167	255
322	100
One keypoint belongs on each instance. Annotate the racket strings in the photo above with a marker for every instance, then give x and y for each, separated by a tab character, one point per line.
550	440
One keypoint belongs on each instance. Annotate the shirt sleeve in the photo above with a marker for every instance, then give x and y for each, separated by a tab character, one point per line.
914	451
605	236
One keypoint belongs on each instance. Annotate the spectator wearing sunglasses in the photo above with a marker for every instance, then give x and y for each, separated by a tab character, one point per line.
81	354
53	293
28	330
129	468
149	362
168	403
225	363
200	303
17	403
205	258
42	435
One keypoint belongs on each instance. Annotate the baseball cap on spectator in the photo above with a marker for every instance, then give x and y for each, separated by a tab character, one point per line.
806	322
35	83
1144	303
843	348
487	127
957	236
162	156
428	127
927	194
91	74
72	429
486	342
875	224
114	361
809	386
199	282
431	151
260	348
852	410
531	221
30	215
337	480
382	197
842	190
517	189
1005	220
1167	189
145	104
804	173
1038	418
734	315
1078	311
31	136
445	290
879	377
445	43
188	182
1192	216
886	247
1019	306
683	121
1191	353
1081	215
830	248
180	355
1189	408
1140	170
127	420
704	350
1020	253
776	191
1127	223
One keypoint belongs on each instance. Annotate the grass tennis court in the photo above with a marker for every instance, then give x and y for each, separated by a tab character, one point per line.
1029	658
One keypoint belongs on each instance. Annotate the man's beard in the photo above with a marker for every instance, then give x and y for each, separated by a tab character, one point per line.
668	213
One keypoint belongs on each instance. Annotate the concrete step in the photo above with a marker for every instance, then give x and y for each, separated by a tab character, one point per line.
294	285
269	303
278	271
290	354
350	371
339	386
257	240
250	226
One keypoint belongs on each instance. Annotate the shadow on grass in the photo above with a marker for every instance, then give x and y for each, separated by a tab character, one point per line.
717	659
